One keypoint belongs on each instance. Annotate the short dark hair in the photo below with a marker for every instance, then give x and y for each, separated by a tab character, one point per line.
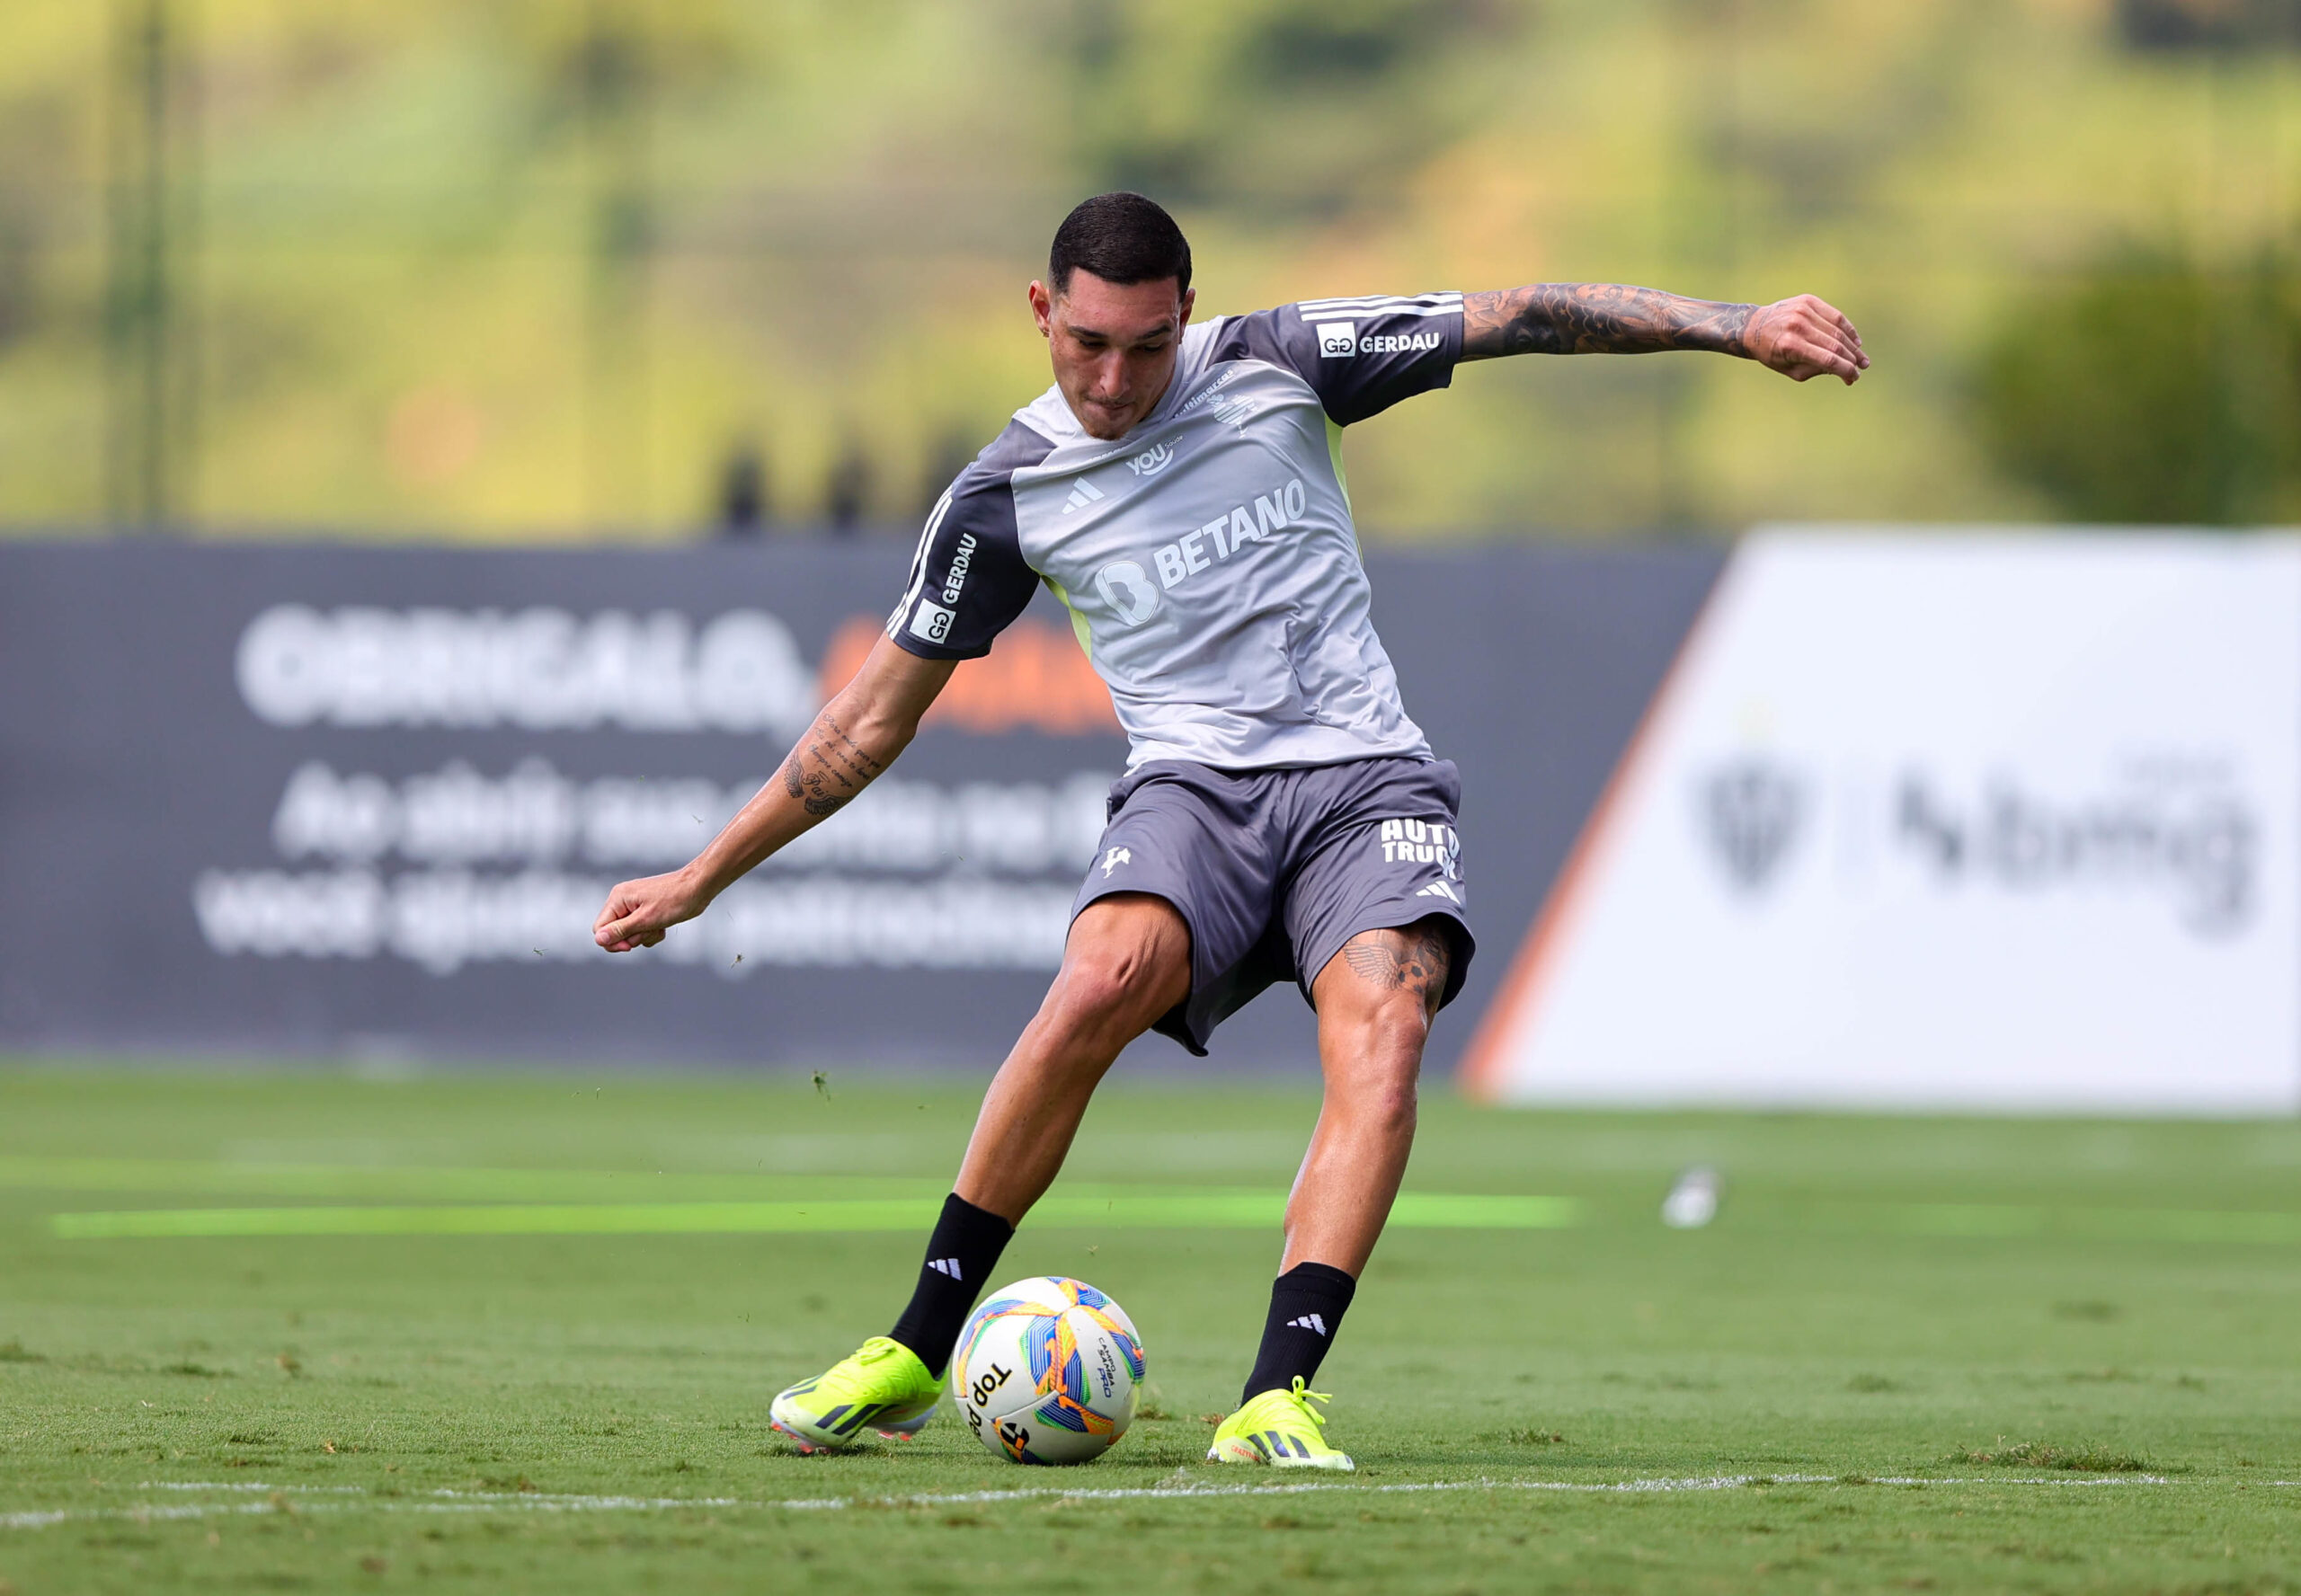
1121	238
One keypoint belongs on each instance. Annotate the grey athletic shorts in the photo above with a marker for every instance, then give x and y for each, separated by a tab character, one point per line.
1275	870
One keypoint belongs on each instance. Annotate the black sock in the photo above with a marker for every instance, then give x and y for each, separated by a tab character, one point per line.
960	1256
1306	1308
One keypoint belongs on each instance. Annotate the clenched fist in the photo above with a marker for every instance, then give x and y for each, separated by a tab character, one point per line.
1803	337
639	912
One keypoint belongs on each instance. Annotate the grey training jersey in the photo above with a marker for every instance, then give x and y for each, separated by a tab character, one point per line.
1208	558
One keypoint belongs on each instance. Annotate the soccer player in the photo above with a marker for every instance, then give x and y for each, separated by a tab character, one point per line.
1180	488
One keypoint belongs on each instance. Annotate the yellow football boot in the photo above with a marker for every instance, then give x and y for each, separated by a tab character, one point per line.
1282	1429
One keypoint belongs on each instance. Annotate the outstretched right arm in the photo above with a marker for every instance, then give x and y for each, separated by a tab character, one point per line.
857	736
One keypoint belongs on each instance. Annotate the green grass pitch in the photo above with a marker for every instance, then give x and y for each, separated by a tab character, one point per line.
520	1333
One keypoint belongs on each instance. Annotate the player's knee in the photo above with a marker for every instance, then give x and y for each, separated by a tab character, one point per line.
1386	1098
1397	1022
1096	984
1106	990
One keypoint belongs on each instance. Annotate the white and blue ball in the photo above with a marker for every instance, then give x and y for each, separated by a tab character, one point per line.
1048	1370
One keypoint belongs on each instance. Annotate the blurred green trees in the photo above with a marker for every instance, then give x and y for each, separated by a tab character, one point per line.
2154	391
523	269
1291	109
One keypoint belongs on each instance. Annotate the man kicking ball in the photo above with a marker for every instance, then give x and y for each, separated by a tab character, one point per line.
1180	488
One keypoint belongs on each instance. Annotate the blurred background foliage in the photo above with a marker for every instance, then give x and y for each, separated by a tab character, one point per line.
514	269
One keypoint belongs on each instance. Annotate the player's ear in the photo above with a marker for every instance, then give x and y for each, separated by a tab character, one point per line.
1041	307
1189	298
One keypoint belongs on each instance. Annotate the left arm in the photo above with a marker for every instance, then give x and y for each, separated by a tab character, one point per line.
1800	337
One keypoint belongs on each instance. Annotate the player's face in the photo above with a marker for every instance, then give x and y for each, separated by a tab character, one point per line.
1114	346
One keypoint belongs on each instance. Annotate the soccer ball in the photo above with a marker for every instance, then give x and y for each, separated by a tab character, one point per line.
1048	1371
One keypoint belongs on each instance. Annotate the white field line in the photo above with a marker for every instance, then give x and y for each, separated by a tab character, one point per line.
285	1498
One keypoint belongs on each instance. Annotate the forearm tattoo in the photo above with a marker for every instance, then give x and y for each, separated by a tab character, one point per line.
828	767
1597	319
1414	960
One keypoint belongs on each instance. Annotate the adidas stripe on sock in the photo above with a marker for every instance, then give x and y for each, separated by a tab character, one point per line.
1306	1308
960	1256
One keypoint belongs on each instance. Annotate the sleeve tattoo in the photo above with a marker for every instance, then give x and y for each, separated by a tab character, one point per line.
828	767
1597	319
1415	958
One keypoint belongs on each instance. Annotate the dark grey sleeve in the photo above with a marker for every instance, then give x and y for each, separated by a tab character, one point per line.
1361	356
969	580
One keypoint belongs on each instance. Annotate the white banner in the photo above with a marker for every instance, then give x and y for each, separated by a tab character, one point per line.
1959	821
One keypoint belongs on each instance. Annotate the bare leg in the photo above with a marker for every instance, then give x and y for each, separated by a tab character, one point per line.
1375	999
1126	963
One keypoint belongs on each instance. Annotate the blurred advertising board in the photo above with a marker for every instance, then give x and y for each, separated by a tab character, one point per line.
328	802
1961	821
1965	821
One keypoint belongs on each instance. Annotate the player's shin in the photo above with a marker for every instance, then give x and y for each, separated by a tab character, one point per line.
960	1256
1306	1308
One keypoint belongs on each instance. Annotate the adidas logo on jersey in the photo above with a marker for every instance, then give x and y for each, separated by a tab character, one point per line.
1307	1322
1439	889
949	1266
1082	493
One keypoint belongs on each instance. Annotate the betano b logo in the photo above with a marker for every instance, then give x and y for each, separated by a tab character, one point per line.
1129	592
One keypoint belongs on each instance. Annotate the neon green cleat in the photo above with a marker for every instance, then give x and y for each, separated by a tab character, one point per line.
883	1388
1280	1428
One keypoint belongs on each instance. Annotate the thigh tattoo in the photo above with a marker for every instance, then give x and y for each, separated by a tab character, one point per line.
1412	958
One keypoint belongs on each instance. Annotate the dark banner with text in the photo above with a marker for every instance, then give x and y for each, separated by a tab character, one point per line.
321	801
